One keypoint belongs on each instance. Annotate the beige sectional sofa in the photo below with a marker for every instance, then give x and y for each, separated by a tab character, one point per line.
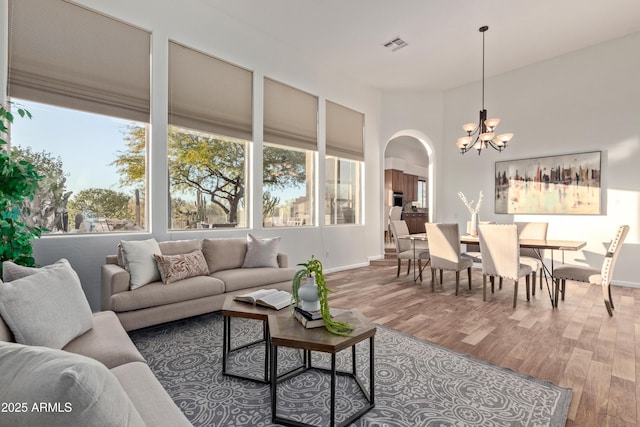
226	273
94	376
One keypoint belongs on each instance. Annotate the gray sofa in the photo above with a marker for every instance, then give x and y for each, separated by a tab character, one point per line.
157	302
108	343
62	365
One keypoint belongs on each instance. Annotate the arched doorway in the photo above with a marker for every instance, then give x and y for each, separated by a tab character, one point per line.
409	158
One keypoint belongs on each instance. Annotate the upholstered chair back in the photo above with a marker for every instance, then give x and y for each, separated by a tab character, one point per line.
500	250
400	228
444	245
612	254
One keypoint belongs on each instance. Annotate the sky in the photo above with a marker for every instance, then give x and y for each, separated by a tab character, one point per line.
85	142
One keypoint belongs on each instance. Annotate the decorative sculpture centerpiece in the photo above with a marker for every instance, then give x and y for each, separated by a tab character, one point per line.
473	230
312	295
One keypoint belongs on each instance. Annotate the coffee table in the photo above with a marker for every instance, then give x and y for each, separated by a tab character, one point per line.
232	308
286	331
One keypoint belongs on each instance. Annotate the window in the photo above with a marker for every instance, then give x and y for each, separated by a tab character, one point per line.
289	155
288	189
342	191
422	201
344	165
92	182
210	117
87	87
207	176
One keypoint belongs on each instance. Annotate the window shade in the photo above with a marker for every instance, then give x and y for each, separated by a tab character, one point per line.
345	132
69	56
290	116
208	94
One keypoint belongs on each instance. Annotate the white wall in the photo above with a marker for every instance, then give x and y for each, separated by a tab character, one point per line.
584	101
195	24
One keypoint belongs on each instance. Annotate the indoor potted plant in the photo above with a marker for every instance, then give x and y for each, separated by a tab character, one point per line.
18	181
312	272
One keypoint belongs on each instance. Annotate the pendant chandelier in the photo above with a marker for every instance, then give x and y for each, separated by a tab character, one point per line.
484	130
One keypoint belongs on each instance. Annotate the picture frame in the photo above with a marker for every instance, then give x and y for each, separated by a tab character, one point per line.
567	184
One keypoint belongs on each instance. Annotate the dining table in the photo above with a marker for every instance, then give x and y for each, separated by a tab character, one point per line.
538	245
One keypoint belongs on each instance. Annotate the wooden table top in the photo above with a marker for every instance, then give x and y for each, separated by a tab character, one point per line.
233	308
288	332
564	245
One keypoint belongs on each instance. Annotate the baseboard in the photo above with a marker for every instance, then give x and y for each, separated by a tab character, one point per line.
375	257
346	267
627	284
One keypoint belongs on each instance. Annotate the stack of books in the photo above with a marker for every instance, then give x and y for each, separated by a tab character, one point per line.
308	319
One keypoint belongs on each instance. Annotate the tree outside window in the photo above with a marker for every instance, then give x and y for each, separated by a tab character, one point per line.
288	187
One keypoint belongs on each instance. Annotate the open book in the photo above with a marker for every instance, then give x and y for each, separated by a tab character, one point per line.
271	298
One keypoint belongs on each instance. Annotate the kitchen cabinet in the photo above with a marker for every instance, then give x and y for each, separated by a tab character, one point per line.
415	221
393	183
394	180
410	188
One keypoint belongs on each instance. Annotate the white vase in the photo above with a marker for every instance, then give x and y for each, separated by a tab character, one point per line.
474	225
308	293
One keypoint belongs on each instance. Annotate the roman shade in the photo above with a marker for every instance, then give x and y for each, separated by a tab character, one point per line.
66	55
345	132
208	94
290	116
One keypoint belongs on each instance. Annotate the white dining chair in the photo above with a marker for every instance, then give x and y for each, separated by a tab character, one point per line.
533	257
594	276
395	214
444	252
501	257
473	249
404	248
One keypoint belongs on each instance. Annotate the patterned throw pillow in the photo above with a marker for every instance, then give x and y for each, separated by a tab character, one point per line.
177	267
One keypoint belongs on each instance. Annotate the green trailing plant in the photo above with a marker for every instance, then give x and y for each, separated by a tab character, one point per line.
313	267
19	181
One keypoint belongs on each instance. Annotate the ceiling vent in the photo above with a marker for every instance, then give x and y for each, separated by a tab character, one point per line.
395	44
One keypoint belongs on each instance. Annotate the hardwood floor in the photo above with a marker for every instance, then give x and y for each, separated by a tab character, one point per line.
576	345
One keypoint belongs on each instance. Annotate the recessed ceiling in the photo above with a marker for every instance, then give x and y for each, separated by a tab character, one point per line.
444	47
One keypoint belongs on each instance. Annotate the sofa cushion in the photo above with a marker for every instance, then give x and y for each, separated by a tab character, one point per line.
5	332
175	247
148	396
107	342
157	293
243	278
261	252
46	308
224	254
139	261
12	271
181	266
76	390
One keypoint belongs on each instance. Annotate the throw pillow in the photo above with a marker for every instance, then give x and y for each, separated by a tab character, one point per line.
182	266
12	271
139	261
46	308
56	388
261	252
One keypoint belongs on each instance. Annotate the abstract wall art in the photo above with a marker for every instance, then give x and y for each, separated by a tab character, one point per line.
567	184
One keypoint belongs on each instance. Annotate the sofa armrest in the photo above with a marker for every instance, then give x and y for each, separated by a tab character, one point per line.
112	259
283	260
114	279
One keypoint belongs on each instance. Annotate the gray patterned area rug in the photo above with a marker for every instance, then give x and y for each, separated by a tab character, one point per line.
417	383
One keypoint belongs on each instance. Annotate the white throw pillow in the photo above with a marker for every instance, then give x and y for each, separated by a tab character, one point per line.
261	252
49	387
46	308
139	261
12	271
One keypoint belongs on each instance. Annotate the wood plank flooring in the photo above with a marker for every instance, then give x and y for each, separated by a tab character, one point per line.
576	345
